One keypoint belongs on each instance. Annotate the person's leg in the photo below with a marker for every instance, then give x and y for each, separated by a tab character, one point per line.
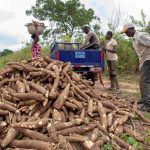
145	86
33	51
89	46
114	73
38	51
111	77
92	46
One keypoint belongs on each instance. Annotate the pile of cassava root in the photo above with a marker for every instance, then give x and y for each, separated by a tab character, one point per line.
44	105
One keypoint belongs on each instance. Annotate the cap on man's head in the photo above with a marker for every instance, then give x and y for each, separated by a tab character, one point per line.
126	27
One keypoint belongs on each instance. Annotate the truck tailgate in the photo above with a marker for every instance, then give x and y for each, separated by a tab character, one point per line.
82	58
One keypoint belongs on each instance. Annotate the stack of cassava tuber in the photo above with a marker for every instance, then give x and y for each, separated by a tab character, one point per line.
45	105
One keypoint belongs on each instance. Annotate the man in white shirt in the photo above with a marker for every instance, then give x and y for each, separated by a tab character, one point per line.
91	39
112	58
141	44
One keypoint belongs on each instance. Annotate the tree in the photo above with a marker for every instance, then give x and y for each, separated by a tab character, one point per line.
64	17
97	27
5	52
142	24
114	20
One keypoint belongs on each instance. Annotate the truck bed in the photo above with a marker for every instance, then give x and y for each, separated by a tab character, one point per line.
81	58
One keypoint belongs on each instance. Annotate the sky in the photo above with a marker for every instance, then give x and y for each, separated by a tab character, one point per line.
13	33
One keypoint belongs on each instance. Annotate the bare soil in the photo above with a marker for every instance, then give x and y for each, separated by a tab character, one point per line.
129	91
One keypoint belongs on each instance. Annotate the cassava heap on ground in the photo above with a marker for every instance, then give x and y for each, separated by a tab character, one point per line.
45	105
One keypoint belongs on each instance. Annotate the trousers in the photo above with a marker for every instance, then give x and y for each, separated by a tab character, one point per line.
112	69
144	83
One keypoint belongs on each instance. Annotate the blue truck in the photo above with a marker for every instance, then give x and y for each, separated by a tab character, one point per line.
83	61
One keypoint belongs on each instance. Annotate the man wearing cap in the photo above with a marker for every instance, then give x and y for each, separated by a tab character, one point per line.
141	44
91	39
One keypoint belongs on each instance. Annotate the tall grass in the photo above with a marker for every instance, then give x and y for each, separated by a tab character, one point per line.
128	60
23	54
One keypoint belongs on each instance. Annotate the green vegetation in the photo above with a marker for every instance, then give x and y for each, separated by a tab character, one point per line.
147	138
108	146
68	28
143	24
75	16
147	115
23	54
132	141
5	52
128	62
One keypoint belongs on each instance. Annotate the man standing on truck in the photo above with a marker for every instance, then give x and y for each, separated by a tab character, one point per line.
141	44
91	39
112	58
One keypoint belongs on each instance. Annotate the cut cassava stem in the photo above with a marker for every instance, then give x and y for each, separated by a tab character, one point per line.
95	134
144	119
70	105
76	88
65	145
136	135
53	93
34	135
29	96
74	138
75	102
118	121
52	132
31	144
82	115
78	129
8	107
119	130
32	124
109	119
10	136
21	87
39	88
90	107
121	143
56	116
62	98
102	115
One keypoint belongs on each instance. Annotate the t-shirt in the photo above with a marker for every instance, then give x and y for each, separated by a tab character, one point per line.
91	38
141	44
110	45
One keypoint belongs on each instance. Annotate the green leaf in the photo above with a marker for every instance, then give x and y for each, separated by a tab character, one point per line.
108	146
147	115
132	141
67	16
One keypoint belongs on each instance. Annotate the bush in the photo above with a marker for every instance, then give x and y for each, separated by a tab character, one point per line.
128	60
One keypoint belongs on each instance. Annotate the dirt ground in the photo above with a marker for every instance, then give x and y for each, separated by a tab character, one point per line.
129	87
130	91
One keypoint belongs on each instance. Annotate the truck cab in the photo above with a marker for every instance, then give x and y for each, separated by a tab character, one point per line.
83	61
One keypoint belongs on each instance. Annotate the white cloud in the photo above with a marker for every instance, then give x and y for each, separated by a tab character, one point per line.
13	47
129	7
6	15
13	17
